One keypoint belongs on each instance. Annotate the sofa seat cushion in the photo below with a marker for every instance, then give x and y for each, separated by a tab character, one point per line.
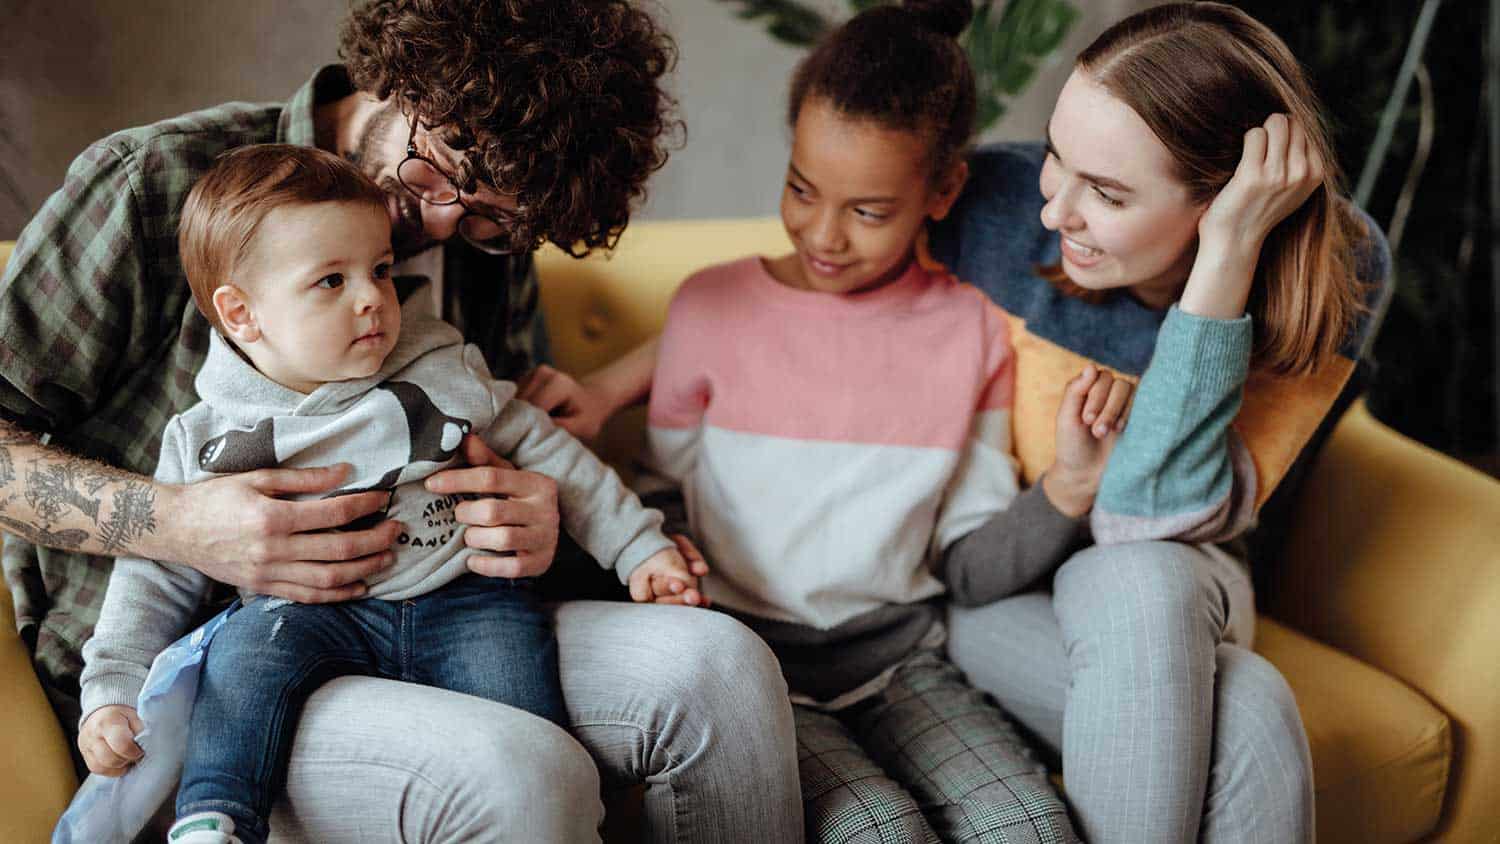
1381	752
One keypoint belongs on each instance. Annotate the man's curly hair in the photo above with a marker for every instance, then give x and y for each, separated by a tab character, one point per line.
559	102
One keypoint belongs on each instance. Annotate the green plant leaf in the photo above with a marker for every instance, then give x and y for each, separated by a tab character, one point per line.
989	109
786	20
1004	50
1013	77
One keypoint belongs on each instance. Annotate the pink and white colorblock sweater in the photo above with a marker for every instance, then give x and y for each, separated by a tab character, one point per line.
830	447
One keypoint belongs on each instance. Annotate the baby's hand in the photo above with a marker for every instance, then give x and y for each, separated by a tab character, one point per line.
107	740
666	578
1094	409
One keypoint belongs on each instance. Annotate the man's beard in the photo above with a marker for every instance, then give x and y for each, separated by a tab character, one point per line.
407	235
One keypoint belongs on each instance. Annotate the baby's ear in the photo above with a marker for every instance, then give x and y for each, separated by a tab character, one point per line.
235	316
948	189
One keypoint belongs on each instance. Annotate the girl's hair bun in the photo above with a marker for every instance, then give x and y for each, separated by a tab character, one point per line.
945	17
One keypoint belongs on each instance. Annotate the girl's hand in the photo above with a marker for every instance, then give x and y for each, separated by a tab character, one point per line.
107	740
576	406
1278	171
666	578
1094	408
696	564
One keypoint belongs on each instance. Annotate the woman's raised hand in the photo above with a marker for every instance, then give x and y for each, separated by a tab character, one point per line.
1278	171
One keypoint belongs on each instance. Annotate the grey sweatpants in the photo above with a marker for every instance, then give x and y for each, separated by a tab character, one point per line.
1138	668
686	701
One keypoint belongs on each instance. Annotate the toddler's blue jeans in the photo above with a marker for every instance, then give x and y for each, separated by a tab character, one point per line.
477	635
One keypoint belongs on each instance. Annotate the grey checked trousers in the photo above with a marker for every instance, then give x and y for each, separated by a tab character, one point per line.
928	759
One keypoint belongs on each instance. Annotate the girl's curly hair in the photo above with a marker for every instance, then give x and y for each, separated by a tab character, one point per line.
558	102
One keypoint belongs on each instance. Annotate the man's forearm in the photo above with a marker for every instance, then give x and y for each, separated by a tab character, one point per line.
58	500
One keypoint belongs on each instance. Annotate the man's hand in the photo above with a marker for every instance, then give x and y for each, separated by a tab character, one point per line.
665	578
107	740
1094	408
579	407
238	530
517	519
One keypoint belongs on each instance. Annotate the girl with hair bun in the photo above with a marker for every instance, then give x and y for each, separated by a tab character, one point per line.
839	416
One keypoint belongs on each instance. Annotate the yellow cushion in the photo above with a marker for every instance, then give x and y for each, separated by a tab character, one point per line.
1380	750
38	781
1394	559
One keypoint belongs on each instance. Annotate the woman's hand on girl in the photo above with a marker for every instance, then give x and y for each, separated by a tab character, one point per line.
1094	408
1278	171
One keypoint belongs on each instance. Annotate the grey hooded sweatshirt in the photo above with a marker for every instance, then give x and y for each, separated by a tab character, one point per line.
395	427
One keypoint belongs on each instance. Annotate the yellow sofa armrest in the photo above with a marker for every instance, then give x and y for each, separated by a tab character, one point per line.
1394	558
36	772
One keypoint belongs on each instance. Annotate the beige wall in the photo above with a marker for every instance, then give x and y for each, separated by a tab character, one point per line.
71	71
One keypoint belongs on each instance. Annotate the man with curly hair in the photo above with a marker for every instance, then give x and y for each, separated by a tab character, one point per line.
493	126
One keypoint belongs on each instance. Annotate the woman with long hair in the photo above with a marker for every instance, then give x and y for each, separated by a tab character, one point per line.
1189	231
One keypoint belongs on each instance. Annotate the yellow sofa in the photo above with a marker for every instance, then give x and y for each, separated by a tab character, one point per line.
1387	624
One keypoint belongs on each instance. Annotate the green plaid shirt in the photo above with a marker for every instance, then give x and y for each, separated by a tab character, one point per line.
100	340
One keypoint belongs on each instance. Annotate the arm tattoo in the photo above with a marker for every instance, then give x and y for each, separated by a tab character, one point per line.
67	540
56	484
134	516
51	487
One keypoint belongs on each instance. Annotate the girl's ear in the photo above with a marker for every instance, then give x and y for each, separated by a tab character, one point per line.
235	315
948	190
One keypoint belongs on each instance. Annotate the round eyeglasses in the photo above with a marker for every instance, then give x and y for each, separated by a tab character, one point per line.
486	229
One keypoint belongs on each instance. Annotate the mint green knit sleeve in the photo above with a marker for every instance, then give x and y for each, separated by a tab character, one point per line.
1178	470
